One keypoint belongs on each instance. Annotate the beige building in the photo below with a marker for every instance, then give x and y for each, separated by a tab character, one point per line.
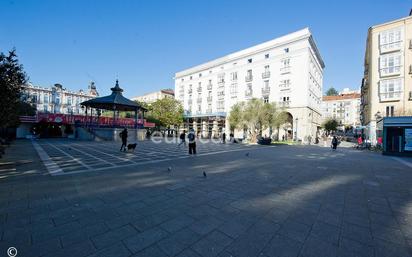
345	108
387	83
153	96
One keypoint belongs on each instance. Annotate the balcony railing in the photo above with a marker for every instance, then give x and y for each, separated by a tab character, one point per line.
248	94
390	96
189	91
199	100
265	90
209	98
249	78
199	89
284	104
265	74
209	87
390	71
285	70
392	46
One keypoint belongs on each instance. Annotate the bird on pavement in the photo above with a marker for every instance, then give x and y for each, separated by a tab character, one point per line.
204	174
169	169
247	154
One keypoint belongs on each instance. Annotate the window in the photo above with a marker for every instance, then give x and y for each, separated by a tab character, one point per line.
285	83
200	75
249	60
190	77
286	50
266	82
233	89
221	78
285	63
45	108
390	89
266	99
390	39
46	98
233	76
267	68
390	64
390	111
266	56
182	79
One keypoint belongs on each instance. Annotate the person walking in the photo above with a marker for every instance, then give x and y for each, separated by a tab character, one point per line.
182	138
224	138
231	137
123	135
192	142
334	142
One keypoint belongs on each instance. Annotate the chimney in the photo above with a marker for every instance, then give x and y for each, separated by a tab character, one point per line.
410	12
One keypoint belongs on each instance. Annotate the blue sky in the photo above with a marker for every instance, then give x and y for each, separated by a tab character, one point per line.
144	42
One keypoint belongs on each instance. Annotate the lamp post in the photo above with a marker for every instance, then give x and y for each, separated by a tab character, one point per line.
296	130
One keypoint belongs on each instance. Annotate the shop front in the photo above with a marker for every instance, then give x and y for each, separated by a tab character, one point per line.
396	135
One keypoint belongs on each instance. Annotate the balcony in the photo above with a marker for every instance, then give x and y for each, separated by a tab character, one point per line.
284	104
209	87
265	74
248	78
209	98
390	47
390	71
265	91
285	70
390	96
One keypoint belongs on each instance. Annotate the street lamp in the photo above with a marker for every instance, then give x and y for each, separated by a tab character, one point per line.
296	130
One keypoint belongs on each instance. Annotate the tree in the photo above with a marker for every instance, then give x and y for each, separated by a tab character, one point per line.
236	116
330	125
332	91
280	117
168	111
12	77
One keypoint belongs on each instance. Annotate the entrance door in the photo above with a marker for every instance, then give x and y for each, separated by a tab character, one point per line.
394	139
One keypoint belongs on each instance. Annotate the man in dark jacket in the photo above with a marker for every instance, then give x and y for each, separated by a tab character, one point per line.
192	142
123	135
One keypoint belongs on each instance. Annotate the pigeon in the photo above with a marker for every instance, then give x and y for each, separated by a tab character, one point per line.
169	169
204	174
247	154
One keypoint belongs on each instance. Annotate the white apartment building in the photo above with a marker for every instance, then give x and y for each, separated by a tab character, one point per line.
287	70
345	108
154	96
387	83
57	99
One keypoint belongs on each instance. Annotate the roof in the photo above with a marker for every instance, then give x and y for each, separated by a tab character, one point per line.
168	91
115	101
397	121
277	42
341	97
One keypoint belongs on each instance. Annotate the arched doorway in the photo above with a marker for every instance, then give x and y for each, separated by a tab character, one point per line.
288	127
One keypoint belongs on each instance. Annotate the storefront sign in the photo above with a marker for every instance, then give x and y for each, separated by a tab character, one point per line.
408	139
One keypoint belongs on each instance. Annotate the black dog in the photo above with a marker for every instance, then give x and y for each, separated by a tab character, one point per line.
131	146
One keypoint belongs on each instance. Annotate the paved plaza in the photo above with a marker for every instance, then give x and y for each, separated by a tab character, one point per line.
71	198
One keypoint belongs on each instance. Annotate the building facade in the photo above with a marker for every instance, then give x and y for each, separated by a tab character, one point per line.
386	88
154	96
57	99
287	70
345	108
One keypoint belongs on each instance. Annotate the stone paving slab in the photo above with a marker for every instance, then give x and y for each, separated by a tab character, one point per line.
280	201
